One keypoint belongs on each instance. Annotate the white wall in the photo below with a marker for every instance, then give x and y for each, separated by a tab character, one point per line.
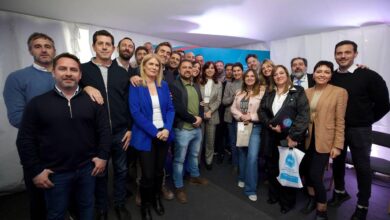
15	29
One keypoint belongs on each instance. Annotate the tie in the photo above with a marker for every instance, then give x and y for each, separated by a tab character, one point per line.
299	82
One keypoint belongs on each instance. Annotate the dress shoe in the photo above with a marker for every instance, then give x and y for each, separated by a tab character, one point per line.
199	180
167	193
338	199
101	215
209	166
145	213
284	209
359	214
181	195
310	206
272	201
158	206
122	213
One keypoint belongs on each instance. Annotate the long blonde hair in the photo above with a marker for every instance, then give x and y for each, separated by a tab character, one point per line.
142	70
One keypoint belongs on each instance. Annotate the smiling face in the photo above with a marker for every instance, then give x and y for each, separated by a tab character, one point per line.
126	49
103	48
280	76
298	68
237	73
210	71
174	61
152	68
266	69
250	79
196	70
164	52
67	74
253	63
322	75
185	70
345	56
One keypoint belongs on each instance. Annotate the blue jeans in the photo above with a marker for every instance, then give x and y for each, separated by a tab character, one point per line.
247	161
232	130
119	162
81	183
186	140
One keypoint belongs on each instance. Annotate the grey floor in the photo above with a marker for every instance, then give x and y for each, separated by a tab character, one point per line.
222	199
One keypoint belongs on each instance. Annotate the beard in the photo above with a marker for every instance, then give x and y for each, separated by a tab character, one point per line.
298	74
125	56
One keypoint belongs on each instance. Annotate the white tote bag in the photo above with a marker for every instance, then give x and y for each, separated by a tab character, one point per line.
289	160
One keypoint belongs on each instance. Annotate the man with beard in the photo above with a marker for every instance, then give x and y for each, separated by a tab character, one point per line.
106	82
299	74
188	119
220	71
125	51
140	52
19	88
253	62
64	141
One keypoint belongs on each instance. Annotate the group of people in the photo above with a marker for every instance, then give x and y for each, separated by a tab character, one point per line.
72	118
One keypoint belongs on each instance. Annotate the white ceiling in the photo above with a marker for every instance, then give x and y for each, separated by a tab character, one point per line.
213	23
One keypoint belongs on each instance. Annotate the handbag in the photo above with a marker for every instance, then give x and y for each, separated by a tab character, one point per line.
289	161
243	134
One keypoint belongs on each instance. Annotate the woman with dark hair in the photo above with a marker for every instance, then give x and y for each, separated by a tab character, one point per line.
328	104
244	109
153	111
211	91
228	97
196	72
284	112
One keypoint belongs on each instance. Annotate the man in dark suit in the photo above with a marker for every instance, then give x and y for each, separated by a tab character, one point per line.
299	75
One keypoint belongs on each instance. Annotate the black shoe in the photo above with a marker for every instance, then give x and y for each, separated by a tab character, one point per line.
338	199
158	206
145	213
220	159
209	166
101	215
122	213
310	206
321	215
272	201
359	214
284	209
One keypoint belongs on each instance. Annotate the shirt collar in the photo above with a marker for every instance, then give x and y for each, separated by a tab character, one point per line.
58	90
41	68
118	60
351	69
186	83
302	79
98	64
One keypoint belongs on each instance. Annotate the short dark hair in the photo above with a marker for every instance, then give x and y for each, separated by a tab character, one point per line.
126	38
324	63
176	52
203	79
37	35
238	64
228	64
66	55
141	48
219	61
183	61
298	58
249	56
163	44
102	33
346	42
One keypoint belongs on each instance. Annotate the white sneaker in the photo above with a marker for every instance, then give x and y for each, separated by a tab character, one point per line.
241	184
253	198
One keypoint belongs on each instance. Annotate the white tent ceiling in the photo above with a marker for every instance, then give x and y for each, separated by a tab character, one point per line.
215	23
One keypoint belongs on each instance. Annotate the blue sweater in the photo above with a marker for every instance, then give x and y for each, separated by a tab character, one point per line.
20	87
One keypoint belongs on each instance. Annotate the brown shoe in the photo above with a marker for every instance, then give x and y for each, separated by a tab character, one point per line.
199	180
181	195
166	193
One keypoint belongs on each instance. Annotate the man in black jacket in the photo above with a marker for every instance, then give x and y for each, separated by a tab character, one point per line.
299	75
106	82
368	102
64	141
188	118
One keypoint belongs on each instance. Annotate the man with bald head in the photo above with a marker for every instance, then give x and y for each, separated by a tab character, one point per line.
189	56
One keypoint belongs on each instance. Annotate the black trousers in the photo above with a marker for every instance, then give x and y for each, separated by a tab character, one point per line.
312	168
359	140
37	199
152	167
